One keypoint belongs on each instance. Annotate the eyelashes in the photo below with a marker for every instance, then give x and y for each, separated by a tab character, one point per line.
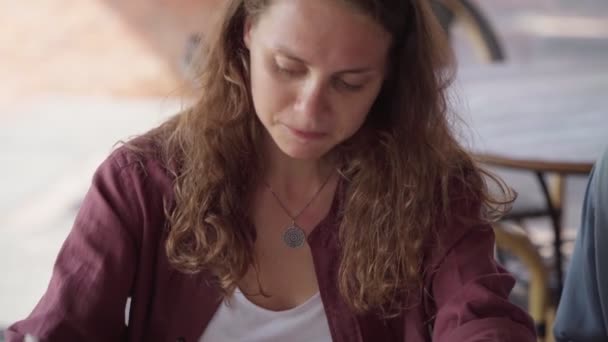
293	73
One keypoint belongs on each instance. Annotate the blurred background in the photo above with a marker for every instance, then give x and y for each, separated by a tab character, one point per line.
77	76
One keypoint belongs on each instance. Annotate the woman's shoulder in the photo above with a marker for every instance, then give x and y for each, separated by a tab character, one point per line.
138	165
140	151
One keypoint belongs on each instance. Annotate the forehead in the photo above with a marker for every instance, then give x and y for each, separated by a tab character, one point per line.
323	31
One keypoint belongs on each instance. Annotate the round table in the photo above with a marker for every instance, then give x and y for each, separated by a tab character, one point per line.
542	117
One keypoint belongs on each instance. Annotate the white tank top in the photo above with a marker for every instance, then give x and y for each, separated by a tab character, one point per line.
242	320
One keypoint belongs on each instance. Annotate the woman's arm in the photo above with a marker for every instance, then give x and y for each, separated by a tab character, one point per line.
93	273
470	293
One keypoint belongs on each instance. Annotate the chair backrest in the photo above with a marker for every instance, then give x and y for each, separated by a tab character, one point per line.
478	27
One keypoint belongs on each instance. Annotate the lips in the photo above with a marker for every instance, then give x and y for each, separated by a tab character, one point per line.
305	134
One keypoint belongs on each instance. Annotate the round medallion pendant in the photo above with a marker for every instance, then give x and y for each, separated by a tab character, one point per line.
294	237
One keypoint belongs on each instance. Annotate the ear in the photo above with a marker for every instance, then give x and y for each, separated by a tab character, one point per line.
247	27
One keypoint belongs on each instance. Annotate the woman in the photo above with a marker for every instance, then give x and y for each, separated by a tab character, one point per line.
314	193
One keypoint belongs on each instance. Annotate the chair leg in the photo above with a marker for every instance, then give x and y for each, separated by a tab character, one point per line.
539	300
550	319
557	190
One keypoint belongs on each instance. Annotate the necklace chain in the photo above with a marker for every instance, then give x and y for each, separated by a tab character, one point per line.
295	217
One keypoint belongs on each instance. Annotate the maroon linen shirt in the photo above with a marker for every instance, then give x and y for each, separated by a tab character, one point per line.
116	250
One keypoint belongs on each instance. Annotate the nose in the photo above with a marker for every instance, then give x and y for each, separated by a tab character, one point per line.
312	100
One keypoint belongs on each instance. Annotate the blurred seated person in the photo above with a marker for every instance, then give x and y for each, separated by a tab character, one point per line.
582	314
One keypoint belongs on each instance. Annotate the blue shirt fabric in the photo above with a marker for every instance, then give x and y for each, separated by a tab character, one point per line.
582	314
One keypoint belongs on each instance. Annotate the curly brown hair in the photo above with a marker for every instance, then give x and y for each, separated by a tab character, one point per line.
415	179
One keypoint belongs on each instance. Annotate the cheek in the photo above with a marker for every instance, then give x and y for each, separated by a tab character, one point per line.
355	112
269	95
351	123
260	88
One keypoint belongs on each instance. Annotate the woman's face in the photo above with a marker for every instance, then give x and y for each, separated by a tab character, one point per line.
316	68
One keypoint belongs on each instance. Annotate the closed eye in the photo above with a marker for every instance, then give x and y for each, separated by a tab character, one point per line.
343	85
287	69
288	72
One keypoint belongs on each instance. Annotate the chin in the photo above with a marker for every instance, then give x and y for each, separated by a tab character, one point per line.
305	152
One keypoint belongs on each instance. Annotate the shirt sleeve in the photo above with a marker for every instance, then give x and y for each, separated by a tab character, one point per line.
470	294
93	273
582	314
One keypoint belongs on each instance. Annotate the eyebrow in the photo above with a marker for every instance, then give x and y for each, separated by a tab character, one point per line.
288	54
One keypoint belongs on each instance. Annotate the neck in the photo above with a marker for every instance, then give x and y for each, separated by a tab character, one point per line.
294	178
